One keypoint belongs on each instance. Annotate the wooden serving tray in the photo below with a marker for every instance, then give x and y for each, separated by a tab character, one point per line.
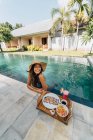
41	107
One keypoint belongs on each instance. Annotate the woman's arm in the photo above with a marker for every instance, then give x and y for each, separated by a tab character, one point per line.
43	82
31	87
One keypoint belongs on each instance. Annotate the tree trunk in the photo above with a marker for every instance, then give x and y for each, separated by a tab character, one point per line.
77	36
1	48
64	43
62	37
77	42
91	49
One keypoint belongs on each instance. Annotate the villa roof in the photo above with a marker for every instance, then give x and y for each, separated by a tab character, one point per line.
35	28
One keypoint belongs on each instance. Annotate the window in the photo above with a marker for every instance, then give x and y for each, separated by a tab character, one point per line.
44	41
30	41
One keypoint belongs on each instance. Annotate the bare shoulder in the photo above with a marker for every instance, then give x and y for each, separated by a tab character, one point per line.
41	76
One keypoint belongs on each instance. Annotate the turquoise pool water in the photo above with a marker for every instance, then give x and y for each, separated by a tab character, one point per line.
67	72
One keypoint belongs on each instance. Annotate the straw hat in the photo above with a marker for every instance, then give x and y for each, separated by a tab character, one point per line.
43	65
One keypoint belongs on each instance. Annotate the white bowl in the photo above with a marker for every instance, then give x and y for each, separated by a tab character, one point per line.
64	102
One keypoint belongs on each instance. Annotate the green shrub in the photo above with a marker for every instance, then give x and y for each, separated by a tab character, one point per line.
34	48
29	47
24	48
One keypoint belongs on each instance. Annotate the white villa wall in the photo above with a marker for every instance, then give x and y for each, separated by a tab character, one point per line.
86	47
56	43
70	43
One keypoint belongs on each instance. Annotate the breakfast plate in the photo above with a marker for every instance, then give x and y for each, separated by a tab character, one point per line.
51	100
62	110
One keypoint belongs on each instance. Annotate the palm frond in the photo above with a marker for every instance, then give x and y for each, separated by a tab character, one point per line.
88	34
54	12
85	38
87	8
71	3
91	8
55	25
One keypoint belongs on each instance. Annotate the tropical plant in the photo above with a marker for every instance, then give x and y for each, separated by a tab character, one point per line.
80	5
68	27
5	34
80	11
7	25
24	48
80	19
18	25
91	9
63	15
88	34
34	48
1	37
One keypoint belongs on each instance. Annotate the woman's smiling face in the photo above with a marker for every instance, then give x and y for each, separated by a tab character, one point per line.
37	68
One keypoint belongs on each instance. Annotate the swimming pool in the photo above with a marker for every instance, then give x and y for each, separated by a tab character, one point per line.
73	74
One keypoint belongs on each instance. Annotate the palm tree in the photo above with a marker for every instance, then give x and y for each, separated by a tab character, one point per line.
80	19
79	13
63	15
68	27
81	6
88	34
91	9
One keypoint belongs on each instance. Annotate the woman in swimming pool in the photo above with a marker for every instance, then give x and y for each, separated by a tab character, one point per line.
36	80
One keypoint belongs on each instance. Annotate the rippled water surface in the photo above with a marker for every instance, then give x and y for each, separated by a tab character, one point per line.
73	74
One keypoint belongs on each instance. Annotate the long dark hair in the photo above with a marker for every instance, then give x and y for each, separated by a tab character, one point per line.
34	76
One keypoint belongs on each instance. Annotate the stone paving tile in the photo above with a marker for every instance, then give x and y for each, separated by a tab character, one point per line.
83	113
36	97
27	118
28	91
47	128
11	134
2	85
48	120
9	100
10	82
38	131
9	117
34	102
82	131
22	120
4	91
57	136
64	130
1	99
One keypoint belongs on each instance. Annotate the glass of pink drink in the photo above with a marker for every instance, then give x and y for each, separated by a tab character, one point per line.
65	94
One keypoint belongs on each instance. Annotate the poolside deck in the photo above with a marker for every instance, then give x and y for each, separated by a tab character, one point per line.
20	120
